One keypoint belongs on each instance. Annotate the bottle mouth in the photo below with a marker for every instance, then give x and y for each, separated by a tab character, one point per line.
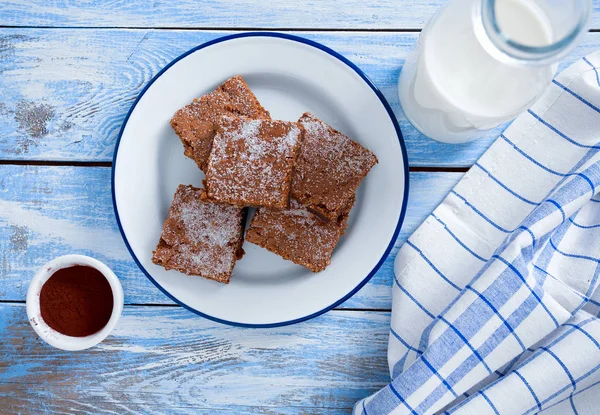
547	53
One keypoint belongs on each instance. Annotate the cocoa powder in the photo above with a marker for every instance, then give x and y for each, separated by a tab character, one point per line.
76	301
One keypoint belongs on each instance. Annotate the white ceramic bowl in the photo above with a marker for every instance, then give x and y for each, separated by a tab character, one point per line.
51	336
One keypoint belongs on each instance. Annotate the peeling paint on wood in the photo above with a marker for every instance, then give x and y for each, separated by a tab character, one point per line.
166	359
18	238
83	82
33	118
60	210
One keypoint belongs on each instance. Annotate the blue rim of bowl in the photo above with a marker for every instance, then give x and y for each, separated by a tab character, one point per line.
392	119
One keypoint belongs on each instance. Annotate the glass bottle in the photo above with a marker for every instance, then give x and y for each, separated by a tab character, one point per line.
480	63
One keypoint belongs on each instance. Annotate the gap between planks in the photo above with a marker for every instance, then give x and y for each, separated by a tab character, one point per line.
375	310
56	163
109	164
232	29
220	29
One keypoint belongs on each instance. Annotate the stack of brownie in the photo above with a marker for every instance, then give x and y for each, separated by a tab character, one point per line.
300	176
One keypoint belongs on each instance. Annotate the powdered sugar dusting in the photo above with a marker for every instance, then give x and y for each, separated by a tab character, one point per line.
211	261
200	237
296	234
250	129
242	100
195	124
329	168
299	212
251	161
347	156
209	223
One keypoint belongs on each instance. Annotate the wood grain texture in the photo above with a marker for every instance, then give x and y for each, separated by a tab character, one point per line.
166	360
50	211
311	14
65	93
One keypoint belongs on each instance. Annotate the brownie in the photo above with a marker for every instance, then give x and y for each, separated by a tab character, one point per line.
329	168
251	162
297	235
200	237
195	124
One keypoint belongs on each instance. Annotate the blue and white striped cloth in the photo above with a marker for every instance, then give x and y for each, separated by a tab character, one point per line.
496	299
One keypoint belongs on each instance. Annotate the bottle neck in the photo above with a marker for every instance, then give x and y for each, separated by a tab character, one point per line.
494	36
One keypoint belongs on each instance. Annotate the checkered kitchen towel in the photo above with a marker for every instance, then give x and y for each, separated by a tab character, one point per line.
496	299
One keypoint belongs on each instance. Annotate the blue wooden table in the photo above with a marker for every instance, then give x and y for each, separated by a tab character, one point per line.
69	72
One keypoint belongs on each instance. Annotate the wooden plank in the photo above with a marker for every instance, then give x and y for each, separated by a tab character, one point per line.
165	359
50	211
310	14
65	93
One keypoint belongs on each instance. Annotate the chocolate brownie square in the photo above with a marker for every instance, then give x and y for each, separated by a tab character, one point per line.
251	162
297	235
195	124
200	237
329	169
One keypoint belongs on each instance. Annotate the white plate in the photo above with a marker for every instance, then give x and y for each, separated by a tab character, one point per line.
289	75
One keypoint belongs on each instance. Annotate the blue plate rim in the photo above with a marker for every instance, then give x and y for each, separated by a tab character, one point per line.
377	92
